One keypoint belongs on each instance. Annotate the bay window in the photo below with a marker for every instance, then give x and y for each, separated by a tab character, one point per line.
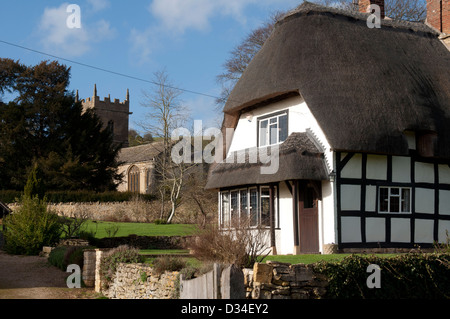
251	204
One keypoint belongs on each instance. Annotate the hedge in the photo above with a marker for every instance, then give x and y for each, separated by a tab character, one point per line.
81	196
63	256
412	276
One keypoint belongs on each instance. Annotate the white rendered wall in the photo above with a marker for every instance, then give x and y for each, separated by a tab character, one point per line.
423	200
285	238
300	119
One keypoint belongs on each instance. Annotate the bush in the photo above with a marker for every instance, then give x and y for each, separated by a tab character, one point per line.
56	257
410	276
31	227
241	245
168	263
121	254
63	256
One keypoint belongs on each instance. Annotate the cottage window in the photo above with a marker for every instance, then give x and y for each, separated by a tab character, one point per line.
251	204
225	220
394	200
273	129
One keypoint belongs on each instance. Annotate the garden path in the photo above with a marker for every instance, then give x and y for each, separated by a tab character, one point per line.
31	277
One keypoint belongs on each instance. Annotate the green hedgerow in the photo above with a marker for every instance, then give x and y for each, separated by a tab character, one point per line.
413	275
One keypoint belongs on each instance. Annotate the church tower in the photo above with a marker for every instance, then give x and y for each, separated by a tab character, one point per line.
113	114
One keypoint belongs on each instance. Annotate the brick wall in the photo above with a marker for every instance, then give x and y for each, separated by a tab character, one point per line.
438	15
364	5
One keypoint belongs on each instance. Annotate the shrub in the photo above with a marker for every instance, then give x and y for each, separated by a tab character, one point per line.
56	257
121	254
63	256
168	263
240	245
411	276
31	227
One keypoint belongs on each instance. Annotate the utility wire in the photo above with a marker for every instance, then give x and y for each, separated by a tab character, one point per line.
108	71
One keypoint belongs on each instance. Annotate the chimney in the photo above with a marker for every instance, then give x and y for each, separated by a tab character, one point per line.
365	4
438	15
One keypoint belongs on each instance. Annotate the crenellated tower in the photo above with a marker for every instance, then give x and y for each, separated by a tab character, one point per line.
113	114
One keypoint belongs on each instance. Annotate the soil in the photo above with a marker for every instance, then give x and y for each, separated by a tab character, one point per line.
32	277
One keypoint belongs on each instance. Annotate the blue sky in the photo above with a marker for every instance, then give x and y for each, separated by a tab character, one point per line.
190	39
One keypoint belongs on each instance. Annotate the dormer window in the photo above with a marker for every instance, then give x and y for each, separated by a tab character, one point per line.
273	128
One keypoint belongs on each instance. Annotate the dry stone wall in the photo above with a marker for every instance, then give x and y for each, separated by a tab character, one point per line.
275	280
140	281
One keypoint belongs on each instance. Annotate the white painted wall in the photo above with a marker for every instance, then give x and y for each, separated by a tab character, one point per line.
424	200
300	119
285	238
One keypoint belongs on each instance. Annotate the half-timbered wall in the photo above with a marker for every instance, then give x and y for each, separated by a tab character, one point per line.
391	201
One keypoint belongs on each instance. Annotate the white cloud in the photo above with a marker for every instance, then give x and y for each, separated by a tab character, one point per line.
58	38
180	15
98	5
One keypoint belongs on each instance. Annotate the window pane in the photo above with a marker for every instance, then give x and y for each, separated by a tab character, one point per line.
394	204
265	211
283	128
273	134
253	207
384	196
273	120
225	209
243	204
395	191
263	133
406	202
234	206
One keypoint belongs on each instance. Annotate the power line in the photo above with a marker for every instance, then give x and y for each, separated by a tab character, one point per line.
108	71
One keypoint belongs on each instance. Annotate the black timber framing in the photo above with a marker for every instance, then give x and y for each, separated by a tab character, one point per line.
363	214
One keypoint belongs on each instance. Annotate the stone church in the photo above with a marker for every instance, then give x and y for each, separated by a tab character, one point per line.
137	163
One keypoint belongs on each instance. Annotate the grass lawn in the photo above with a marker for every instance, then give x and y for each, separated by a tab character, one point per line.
312	258
100	228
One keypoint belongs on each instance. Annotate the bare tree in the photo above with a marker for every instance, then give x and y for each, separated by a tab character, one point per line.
166	114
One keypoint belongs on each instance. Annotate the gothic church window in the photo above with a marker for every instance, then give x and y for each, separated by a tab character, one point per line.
133	179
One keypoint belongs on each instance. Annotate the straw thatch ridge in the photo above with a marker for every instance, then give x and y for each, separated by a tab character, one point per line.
364	86
299	158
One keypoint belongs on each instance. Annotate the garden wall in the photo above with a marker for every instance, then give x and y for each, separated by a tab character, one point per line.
128	211
140	281
275	280
131	281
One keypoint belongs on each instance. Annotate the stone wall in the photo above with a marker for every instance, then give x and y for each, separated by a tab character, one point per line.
130	211
140	281
275	280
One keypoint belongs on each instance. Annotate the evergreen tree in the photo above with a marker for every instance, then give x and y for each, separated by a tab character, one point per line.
44	125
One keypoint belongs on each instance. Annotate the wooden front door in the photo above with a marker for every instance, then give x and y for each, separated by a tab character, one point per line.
309	217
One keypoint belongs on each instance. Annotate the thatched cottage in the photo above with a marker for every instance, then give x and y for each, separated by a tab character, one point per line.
361	119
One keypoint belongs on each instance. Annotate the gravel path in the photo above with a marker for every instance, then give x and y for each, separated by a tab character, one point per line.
31	277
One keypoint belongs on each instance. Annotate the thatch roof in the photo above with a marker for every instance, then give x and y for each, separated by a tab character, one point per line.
364	86
140	153
299	158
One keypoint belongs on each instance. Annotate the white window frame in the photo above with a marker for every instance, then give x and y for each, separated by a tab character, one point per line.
391	195
277	129
226	216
